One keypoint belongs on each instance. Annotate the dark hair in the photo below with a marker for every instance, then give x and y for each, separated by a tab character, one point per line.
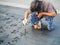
36	5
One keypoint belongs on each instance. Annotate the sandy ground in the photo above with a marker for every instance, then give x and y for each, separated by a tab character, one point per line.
12	29
27	2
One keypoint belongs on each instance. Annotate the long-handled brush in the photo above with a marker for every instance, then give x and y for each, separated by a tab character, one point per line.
25	29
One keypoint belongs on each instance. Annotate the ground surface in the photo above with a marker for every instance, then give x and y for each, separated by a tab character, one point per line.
27	2
12	30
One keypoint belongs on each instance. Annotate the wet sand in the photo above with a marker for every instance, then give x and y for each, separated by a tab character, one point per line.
12	29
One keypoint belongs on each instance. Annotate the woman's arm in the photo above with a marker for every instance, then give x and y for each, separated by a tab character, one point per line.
49	14
46	14
26	14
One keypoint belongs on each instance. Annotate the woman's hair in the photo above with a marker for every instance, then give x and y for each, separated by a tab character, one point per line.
36	5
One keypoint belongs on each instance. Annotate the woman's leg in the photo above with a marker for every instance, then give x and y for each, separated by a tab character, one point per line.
49	20
34	20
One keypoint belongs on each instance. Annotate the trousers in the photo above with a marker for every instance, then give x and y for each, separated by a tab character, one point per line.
49	19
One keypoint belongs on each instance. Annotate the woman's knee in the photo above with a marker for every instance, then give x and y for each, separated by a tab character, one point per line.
34	18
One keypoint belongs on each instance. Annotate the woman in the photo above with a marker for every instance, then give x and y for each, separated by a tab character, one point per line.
38	10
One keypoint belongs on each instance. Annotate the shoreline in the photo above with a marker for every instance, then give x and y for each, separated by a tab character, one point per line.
19	5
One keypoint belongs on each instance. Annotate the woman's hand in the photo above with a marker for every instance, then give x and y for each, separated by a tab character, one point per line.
40	15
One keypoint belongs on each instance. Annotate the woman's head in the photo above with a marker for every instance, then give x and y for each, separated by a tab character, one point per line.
36	5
